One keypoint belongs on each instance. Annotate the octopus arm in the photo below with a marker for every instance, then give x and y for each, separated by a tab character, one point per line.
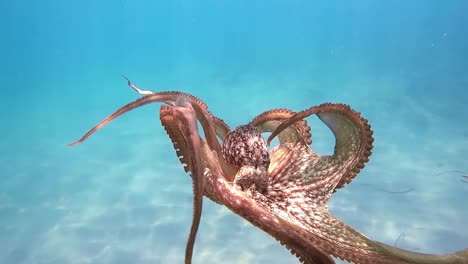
293	237
180	123
353	135
269	120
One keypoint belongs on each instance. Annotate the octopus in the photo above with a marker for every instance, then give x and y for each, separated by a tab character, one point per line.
283	191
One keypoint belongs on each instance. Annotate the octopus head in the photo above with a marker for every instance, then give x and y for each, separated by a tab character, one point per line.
244	147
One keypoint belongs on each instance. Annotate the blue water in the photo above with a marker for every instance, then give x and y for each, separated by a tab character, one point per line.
123	198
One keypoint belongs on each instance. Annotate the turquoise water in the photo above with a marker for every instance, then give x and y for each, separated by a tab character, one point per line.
122	197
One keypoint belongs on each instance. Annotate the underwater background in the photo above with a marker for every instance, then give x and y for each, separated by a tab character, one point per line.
122	196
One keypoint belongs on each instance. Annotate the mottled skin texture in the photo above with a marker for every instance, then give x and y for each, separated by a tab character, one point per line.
244	147
285	191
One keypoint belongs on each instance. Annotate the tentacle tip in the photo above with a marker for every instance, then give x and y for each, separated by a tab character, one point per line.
74	143
128	80
269	141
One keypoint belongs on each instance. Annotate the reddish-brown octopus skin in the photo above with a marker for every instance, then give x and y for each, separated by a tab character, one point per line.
293	206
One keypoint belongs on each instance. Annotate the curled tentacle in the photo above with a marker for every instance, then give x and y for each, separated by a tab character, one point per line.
221	127
352	133
268	121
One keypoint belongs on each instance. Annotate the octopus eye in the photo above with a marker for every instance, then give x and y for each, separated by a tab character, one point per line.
244	146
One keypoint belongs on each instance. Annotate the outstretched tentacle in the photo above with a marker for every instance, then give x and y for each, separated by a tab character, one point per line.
179	118
170	98
206	118
352	133
459	257
166	97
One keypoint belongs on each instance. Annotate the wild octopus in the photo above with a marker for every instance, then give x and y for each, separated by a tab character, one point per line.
283	191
